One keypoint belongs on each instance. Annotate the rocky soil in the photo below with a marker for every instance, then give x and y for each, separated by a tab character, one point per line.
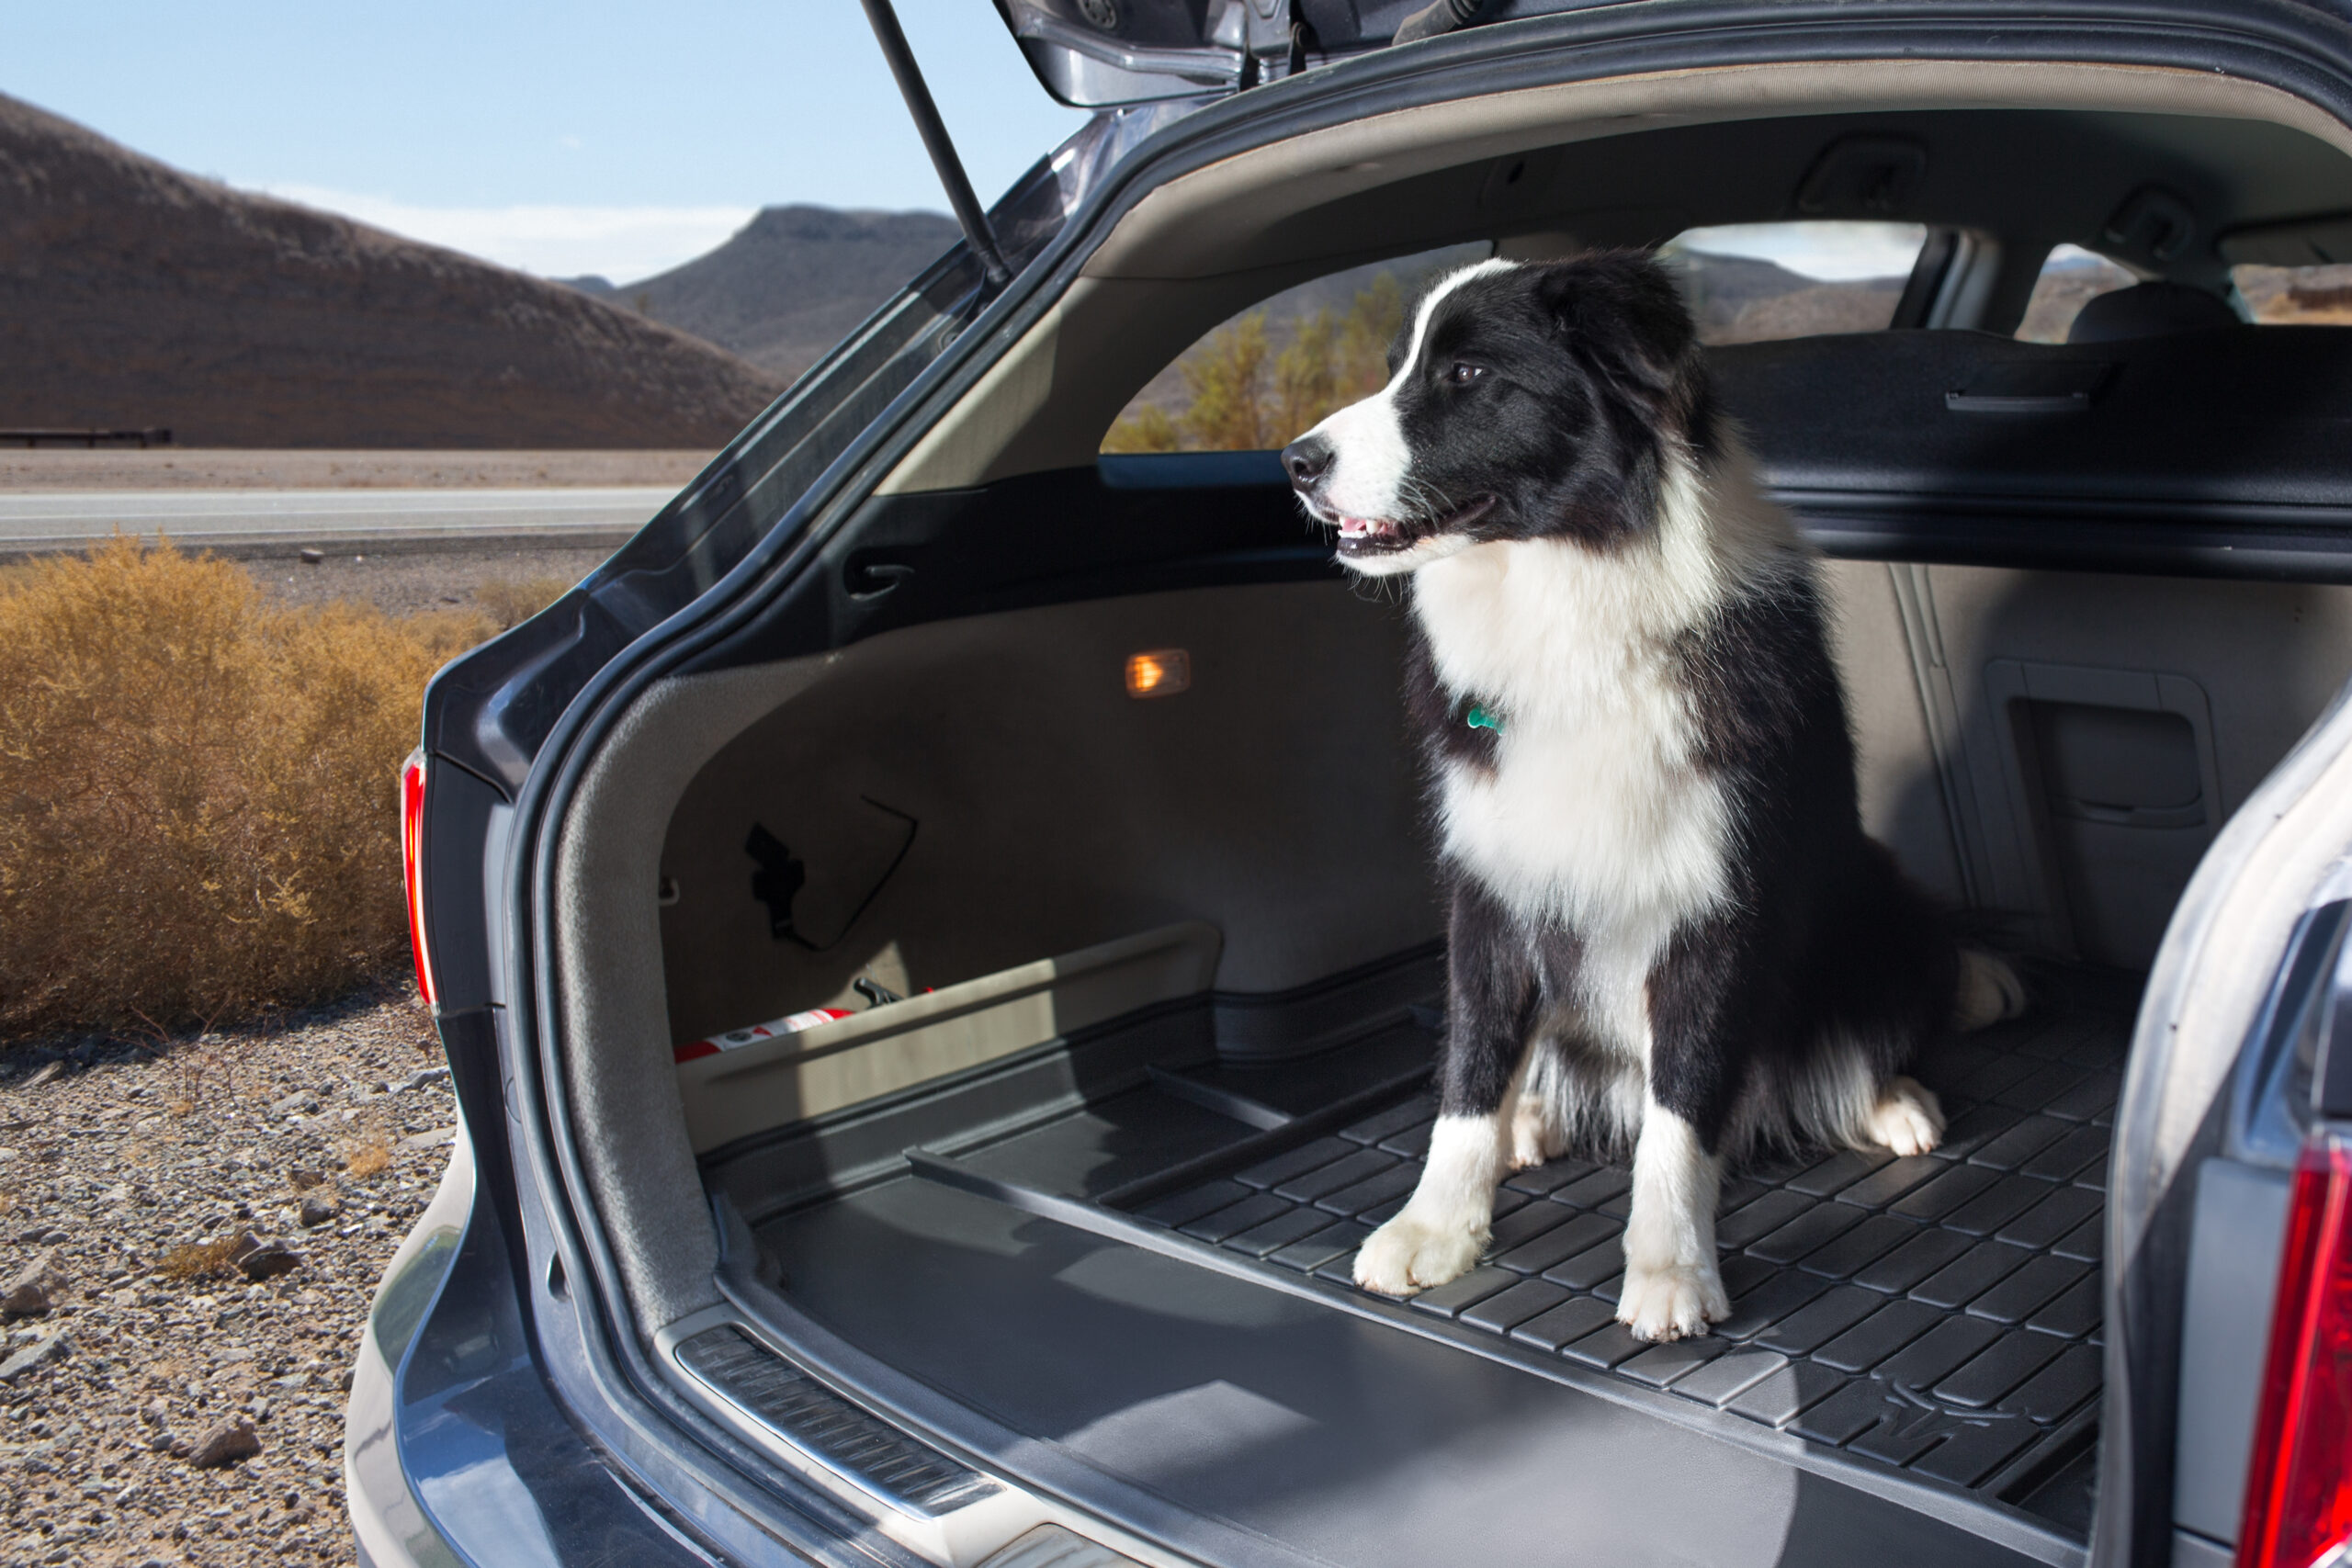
505	584
70	469
191	1231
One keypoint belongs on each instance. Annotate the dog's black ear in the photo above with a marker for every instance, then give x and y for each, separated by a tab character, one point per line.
1619	315
1621	311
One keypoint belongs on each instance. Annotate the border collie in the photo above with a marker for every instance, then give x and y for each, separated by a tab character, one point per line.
1667	927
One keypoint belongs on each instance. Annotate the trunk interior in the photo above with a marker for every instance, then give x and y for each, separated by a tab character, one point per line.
1084	1203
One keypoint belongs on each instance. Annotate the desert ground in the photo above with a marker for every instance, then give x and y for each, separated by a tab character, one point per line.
62	468
160	1403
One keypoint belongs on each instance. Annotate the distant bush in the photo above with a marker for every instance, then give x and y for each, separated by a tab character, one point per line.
1243	393
509	604
197	799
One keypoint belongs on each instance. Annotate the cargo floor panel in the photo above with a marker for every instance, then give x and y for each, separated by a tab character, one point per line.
1934	1319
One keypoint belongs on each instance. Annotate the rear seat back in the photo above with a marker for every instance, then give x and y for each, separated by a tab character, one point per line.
2060	746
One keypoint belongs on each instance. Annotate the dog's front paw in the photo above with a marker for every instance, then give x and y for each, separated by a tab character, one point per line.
1672	1301
1908	1118
1411	1254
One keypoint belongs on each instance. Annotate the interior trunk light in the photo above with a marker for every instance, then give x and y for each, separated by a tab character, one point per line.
1162	672
412	868
2299	1489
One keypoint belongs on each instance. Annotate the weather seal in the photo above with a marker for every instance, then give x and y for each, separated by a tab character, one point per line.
968	212
1437	17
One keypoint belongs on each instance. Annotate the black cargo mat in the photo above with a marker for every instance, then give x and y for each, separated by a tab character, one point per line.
1939	1314
1936	1317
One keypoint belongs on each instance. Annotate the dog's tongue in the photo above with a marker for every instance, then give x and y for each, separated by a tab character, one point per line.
1356	527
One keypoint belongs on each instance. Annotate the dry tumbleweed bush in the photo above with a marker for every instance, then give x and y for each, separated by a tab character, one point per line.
509	604
198	1260
366	1158
198	814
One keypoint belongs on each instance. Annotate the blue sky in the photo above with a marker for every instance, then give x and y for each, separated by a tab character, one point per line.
586	137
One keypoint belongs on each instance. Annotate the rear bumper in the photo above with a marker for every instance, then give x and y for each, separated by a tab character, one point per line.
456	1450
390	1525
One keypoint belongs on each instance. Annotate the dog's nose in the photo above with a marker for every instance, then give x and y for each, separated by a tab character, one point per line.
1305	459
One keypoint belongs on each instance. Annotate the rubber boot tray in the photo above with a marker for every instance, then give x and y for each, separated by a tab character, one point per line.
1934	1319
1939	1314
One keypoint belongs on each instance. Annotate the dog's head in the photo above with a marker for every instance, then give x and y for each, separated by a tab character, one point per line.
1525	401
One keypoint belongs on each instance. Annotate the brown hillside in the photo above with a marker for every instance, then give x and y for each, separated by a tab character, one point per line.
791	283
133	295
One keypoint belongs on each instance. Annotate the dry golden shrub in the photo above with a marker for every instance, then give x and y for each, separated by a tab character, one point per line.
509	604
198	813
1242	392
366	1156
198	1260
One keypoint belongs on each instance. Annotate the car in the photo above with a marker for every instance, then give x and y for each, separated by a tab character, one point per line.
935	939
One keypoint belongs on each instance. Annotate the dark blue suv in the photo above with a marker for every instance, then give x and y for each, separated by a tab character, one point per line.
935	939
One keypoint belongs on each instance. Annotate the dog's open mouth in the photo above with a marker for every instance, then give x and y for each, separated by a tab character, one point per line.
1387	535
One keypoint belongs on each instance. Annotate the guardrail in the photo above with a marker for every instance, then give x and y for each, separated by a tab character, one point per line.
152	436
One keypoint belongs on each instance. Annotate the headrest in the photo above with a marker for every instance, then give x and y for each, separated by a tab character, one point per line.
2150	310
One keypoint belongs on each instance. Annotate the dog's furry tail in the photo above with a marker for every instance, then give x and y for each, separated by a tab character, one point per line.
1990	990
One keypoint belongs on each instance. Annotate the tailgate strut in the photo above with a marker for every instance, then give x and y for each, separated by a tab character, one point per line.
969	212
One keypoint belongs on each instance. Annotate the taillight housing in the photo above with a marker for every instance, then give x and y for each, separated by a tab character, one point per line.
412	868
2298	1488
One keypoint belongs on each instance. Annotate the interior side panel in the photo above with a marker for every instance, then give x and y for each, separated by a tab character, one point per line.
988	795
1897	766
2109	725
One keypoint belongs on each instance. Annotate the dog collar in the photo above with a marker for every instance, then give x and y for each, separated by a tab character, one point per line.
1482	719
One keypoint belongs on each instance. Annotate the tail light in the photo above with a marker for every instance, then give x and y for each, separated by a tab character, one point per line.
2299	1489
412	867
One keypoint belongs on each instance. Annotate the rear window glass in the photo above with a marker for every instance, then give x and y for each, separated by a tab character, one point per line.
1755	282
2296	296
1272	372
2071	278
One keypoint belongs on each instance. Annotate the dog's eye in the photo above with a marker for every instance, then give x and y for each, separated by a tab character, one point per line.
1462	375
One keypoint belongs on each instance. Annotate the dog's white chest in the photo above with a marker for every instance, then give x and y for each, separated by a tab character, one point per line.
1596	814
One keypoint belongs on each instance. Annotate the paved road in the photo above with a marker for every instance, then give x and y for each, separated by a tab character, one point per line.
332	519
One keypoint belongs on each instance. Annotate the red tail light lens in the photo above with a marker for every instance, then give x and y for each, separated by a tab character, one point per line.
412	868
2299	1490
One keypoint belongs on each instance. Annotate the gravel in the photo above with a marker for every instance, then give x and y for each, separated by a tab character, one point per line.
55	469
412	580
150	1420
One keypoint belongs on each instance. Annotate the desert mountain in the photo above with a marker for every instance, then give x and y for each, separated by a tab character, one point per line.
133	295
1748	299
791	283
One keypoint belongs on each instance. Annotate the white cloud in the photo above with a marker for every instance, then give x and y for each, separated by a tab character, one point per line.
623	243
1830	249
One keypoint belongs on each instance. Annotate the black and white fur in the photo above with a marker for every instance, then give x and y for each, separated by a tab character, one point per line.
1668	927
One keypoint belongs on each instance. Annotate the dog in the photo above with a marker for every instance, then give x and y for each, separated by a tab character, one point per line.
1666	928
